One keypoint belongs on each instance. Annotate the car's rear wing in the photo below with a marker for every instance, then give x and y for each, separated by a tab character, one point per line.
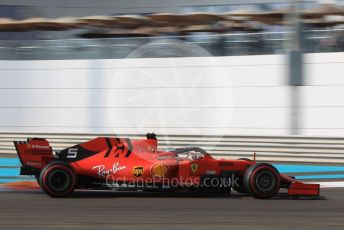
34	152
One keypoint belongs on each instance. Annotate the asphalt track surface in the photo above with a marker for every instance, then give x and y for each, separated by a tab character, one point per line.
128	210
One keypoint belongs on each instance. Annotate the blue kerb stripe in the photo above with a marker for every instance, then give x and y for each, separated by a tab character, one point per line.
9	162
9	171
283	168
14	180
333	176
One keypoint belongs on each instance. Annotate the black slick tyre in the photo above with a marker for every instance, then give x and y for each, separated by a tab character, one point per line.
57	179
261	181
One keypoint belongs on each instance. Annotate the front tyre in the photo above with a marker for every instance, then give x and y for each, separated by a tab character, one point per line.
57	179
262	181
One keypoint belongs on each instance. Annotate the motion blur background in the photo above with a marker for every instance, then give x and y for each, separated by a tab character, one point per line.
231	76
239	67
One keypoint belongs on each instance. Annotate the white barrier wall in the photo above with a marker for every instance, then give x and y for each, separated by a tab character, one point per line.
322	97
213	95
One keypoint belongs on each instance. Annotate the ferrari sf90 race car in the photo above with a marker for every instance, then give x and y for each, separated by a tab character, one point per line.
122	163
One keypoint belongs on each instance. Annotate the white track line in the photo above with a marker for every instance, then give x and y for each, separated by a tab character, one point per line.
329	184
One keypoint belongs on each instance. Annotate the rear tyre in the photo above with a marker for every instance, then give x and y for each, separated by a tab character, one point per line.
57	179
262	181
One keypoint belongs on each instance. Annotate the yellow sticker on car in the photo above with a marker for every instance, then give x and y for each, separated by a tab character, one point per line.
194	167
138	171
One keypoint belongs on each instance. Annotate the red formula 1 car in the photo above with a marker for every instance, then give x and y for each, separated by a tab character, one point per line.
121	163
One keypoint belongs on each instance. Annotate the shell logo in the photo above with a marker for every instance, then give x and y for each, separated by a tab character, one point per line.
159	170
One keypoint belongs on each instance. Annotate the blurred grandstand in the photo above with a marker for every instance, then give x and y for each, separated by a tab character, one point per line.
112	29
